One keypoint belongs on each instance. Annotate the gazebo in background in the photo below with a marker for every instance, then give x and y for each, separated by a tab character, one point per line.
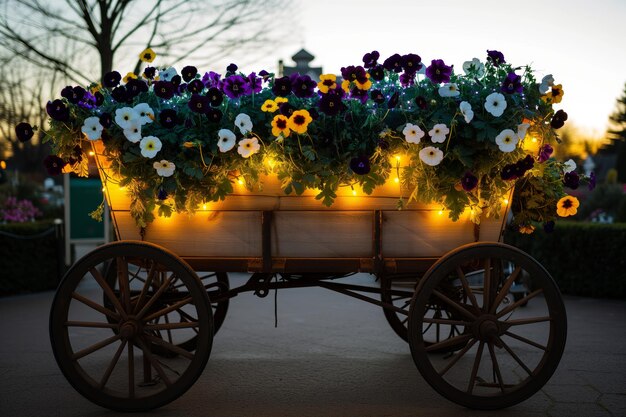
302	59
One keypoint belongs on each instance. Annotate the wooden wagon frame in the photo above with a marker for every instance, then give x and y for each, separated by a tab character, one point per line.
132	322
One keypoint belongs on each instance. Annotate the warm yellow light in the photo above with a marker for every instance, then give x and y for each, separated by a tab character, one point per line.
533	139
396	180
3	165
91	153
204	207
398	158
505	201
270	162
104	189
240	181
353	192
440	212
122	188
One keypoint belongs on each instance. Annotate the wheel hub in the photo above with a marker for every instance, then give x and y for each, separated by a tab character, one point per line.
486	328
130	329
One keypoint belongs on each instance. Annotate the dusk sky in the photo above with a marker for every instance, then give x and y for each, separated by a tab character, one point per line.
580	42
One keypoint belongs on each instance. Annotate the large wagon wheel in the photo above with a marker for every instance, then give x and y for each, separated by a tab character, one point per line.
508	352
215	284
398	290
119	369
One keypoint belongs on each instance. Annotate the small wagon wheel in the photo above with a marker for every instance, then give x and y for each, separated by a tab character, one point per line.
398	290
107	353
508	352
216	285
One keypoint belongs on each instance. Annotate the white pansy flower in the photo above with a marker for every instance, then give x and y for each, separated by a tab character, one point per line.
546	83
449	90
466	111
146	114
431	156
167	74
507	140
474	67
133	131
92	128
248	147
244	123
164	168
522	128
413	133
150	145
226	140
125	116
495	104
438	133
569	166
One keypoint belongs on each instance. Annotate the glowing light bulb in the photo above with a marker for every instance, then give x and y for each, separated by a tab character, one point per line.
396	180
91	153
104	189
533	139
240	181
353	192
398	158
440	212
505	201
204	207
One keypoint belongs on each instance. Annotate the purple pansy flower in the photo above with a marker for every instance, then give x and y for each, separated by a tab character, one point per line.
371	59
214	115
189	73
393	101
281	87
558	120
211	79
407	79
512	84
198	103
496	58
411	63
58	110
54	165
304	86
256	83
377	73
571	180
195	87
545	152
438	71
111	79
354	73
106	120
24	131
168	118
164	89
393	63
469	181
360	165
377	96
331	104
215	96
235	86
149	72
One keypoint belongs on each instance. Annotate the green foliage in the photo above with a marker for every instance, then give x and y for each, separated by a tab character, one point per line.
584	258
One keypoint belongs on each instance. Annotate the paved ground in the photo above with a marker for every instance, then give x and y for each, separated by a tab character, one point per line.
330	356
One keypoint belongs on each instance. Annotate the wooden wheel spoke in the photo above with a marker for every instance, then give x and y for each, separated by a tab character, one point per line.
108	292
154	362
172	326
168	329
112	364
455	305
164	285
95	306
445	321
519	303
457	357
496	366
475	367
466	287
84	352
169	346
146	287
122	277
504	291
186	316
93	324
131	371
525	340
487	285
452	341
168	309
520	322
515	357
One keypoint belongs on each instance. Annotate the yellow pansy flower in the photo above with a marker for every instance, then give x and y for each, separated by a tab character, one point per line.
345	85
299	121
327	82
555	95
280	126
129	76
366	85
147	55
567	206
269	106
279	100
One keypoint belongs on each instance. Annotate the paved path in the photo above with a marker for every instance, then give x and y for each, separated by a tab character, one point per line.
330	356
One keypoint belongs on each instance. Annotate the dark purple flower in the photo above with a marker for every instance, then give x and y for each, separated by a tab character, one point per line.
54	164
438	71
168	118
548	227
211	79
592	181
106	120
411	63
215	96
421	102
469	181
214	115
358	94
281	87
195	87
235	86
304	86
558	120
331	104
393	101
231	69
189	73
393	63
407	79
24	131
545	152
199	104
377	73
119	94
88	101
370	59
99	98
111	79
286	109
527	163
58	110
149	72
176	80
509	172
377	96
495	57
164	89
571	180
135	86
73	94
264	74
256	83
162	194
354	73
360	165
512	84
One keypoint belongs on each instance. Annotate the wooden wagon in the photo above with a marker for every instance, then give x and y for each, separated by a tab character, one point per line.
132	322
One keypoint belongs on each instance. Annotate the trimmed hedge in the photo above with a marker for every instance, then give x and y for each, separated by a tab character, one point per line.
31	260
587	259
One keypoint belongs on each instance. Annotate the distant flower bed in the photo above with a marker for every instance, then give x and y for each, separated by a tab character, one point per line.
13	210
178	139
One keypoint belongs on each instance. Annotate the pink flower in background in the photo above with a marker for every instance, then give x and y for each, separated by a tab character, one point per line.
18	211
